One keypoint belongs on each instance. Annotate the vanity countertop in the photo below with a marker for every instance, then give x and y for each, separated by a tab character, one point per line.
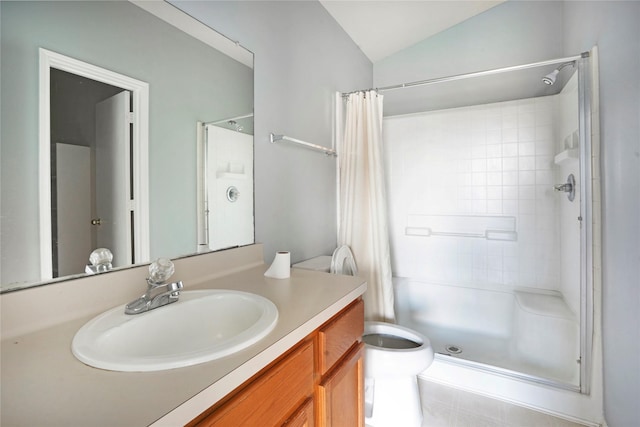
43	384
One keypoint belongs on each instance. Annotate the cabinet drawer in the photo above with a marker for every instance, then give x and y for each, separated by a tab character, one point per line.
272	397
336	337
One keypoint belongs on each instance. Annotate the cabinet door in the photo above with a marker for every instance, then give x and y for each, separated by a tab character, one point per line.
341	393
303	416
338	336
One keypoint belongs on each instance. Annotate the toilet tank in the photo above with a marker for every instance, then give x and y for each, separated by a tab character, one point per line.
319	263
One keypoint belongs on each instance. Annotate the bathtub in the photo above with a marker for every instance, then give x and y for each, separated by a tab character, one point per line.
523	333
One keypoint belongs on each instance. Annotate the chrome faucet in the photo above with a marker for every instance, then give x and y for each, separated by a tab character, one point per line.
158	292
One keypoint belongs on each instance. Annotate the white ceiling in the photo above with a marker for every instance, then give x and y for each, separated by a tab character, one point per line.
383	27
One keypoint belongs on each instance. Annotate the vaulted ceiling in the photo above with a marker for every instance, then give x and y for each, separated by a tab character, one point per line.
381	28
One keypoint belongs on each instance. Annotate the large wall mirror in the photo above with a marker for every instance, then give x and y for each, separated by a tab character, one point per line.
186	165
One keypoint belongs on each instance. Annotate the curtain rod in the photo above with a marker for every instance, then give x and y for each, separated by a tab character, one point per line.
475	74
217	122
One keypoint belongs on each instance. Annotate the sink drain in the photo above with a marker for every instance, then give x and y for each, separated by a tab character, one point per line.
453	349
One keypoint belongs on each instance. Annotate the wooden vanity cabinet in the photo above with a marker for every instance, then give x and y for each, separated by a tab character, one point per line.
318	383
303	417
340	391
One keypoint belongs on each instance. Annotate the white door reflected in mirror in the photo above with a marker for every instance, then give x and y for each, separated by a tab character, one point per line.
113	178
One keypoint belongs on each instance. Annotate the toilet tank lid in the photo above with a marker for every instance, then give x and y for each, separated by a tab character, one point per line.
319	263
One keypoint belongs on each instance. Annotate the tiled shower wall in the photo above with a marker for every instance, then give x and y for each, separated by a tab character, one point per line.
487	160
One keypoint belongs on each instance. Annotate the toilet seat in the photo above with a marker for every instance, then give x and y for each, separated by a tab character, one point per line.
342	262
396	361
399	331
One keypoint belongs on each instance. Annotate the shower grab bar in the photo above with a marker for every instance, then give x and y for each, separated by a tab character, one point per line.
490	227
327	151
505	235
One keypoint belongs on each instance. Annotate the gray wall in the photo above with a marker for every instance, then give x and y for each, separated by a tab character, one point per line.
515	32
73	100
302	57
613	26
520	32
187	80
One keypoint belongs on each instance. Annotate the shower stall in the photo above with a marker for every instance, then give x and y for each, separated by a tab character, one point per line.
489	183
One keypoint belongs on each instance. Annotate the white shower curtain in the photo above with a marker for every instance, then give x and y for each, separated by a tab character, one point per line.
363	207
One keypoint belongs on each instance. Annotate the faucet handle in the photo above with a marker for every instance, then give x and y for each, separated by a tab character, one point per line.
568	187
160	270
99	261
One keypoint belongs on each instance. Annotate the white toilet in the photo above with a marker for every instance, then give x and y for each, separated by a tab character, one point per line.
394	356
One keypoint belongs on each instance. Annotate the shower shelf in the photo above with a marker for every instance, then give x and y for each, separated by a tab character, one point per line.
231	175
471	226
566	155
327	151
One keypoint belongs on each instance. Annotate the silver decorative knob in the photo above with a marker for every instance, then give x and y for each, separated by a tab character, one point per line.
99	261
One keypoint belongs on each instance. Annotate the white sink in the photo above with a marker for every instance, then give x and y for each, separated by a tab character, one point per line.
200	327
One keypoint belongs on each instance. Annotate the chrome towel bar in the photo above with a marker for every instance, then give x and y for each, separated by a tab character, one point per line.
327	151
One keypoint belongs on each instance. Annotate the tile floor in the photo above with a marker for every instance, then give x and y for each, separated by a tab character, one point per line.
449	407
